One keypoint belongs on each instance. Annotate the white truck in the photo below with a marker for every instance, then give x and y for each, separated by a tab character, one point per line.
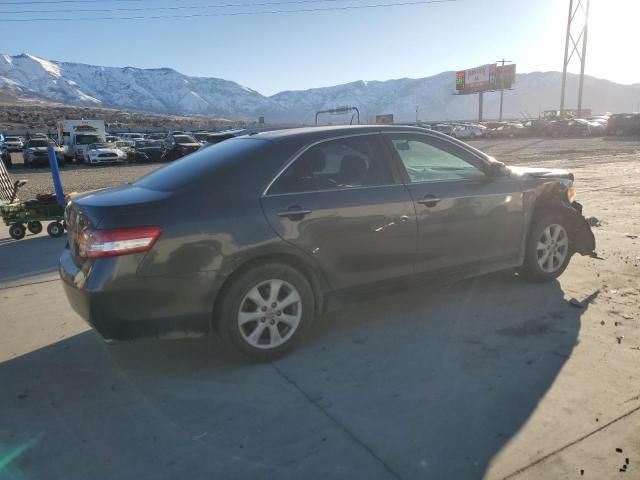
75	136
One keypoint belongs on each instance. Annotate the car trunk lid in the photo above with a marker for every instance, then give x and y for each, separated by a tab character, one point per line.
109	208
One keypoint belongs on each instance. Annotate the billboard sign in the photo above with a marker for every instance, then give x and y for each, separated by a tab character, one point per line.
386	119
476	79
505	76
485	78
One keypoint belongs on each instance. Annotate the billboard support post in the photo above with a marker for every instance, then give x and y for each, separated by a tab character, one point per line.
502	74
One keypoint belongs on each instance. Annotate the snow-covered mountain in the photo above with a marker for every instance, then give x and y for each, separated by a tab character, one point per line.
165	90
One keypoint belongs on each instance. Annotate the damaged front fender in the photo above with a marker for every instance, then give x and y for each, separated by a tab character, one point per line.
582	238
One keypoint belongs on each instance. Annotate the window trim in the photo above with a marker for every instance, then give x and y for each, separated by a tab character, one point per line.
482	162
397	175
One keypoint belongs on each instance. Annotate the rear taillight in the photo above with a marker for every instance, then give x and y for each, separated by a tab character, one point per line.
111	242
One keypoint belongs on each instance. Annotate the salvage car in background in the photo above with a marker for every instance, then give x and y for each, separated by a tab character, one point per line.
623	124
127	146
215	138
471	132
249	237
102	153
566	128
35	153
509	130
148	151
13	144
178	145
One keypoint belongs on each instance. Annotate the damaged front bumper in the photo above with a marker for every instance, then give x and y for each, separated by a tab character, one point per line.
582	239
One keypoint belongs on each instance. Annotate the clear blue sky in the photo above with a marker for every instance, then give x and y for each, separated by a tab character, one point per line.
271	53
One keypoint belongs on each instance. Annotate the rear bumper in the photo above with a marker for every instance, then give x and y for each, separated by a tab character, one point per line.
132	307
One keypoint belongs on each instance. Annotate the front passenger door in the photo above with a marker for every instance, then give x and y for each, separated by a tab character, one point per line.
465	217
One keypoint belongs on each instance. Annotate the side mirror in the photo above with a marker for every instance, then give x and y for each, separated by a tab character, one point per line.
496	169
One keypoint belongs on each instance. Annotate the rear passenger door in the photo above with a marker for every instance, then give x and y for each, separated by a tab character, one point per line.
342	203
465	217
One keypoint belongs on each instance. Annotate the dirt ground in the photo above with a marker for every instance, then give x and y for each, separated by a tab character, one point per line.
490	378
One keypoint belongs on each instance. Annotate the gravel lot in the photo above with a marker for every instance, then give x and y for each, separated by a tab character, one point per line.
567	153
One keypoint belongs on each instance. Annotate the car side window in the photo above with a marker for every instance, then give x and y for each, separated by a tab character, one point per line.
336	164
426	162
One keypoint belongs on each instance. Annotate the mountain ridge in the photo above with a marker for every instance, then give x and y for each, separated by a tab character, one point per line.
166	90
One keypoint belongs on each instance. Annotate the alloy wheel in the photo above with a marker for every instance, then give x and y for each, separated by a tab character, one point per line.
269	314
552	248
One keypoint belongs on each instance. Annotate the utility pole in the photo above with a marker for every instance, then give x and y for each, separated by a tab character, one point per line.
480	102
502	62
416	114
580	5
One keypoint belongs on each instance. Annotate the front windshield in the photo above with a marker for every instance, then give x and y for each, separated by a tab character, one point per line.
12	139
39	143
88	139
96	146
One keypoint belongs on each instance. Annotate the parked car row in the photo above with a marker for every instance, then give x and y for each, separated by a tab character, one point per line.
623	124
97	148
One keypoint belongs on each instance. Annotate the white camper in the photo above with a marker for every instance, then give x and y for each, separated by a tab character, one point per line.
75	136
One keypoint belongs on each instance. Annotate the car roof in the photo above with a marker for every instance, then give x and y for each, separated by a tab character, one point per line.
313	133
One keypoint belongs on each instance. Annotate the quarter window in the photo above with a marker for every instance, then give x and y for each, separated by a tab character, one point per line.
425	162
336	164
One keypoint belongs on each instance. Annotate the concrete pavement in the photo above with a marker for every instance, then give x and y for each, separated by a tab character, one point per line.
492	378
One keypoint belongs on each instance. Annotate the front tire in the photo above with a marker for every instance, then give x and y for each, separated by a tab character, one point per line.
548	248
266	310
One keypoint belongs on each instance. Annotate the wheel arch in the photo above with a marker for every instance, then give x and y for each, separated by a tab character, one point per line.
319	285
552	199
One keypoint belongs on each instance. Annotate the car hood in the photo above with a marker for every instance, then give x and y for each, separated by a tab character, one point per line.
37	149
104	150
537	172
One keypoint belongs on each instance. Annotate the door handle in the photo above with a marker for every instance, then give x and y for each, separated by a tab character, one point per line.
429	200
294	212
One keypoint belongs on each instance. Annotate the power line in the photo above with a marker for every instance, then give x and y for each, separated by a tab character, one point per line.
181	7
228	14
64	1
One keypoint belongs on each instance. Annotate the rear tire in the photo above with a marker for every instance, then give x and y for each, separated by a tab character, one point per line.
34	227
548	248
17	231
55	229
266	310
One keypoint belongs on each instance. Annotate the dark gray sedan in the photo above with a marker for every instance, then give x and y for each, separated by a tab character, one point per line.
250	236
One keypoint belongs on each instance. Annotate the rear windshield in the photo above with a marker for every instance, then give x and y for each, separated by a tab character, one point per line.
187	170
184	139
